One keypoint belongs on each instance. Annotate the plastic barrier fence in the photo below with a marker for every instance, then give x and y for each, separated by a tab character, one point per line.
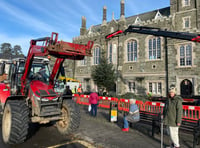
153	107
104	102
123	105
189	112
84	99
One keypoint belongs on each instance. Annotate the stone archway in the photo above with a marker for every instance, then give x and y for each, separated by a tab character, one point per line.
186	88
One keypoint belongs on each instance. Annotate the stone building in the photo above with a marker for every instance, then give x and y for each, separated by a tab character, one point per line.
140	59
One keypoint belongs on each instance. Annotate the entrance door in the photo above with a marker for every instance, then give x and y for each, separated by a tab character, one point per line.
186	88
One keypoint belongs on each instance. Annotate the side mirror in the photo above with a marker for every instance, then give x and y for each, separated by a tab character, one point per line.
2	68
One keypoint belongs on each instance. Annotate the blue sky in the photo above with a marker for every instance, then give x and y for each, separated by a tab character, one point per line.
23	20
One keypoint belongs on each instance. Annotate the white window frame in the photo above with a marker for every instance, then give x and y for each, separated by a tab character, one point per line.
132	51
187	18
83	62
185	3
154	49
184	56
155	88
112	52
96	55
131	86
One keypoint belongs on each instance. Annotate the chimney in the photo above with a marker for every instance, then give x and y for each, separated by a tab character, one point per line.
104	15
122	8
83	26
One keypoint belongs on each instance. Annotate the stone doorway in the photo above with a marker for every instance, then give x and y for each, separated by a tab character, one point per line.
186	88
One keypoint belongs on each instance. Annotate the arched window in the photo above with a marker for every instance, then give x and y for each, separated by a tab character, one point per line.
186	55
96	55
155	48
132	50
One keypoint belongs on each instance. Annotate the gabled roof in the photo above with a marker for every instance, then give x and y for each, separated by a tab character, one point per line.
143	17
148	15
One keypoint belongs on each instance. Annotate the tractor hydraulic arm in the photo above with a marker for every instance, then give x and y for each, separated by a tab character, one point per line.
59	49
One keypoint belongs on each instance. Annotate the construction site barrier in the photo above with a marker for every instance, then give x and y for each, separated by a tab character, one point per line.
104	102
153	108
191	112
123	105
84	99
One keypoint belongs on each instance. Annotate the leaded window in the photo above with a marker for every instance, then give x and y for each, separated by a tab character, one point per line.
132	50
155	48
96	55
186	55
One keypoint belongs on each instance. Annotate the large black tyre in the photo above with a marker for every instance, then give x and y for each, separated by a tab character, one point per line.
15	122
71	113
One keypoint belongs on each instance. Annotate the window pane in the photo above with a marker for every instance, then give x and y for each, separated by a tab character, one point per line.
182	51
188	50
182	61
159	88
150	87
150	49
188	61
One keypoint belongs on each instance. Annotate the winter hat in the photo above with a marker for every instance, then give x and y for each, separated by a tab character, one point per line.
172	89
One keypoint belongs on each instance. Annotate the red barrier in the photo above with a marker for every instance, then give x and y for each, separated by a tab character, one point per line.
123	105
153	107
104	102
76	98
140	105
191	112
84	99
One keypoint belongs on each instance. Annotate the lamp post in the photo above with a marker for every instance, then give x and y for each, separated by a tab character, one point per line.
118	78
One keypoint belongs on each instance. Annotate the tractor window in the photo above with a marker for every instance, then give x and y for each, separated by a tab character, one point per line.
40	72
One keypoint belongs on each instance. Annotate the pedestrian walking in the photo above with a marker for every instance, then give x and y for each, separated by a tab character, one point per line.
173	115
133	115
93	100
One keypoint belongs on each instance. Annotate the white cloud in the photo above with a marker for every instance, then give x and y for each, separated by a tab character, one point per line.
24	18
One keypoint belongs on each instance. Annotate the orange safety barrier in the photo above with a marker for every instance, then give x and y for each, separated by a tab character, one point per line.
140	105
76	98
104	102
153	107
84	99
191	112
123	105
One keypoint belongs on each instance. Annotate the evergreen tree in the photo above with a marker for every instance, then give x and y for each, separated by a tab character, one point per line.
8	52
104	74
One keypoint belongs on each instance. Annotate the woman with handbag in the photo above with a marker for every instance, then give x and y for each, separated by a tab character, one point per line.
93	100
133	115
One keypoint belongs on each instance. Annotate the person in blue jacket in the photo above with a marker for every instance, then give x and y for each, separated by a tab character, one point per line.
133	115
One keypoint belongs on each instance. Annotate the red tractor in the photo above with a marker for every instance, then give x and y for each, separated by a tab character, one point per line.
27	91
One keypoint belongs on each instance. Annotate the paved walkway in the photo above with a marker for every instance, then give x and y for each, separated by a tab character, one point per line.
103	133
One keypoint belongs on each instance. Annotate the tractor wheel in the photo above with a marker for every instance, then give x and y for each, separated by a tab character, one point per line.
15	122
71	114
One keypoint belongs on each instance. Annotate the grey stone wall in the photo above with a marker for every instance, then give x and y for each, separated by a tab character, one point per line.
144	70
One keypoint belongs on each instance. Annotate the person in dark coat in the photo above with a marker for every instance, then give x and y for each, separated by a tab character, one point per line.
67	93
173	115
